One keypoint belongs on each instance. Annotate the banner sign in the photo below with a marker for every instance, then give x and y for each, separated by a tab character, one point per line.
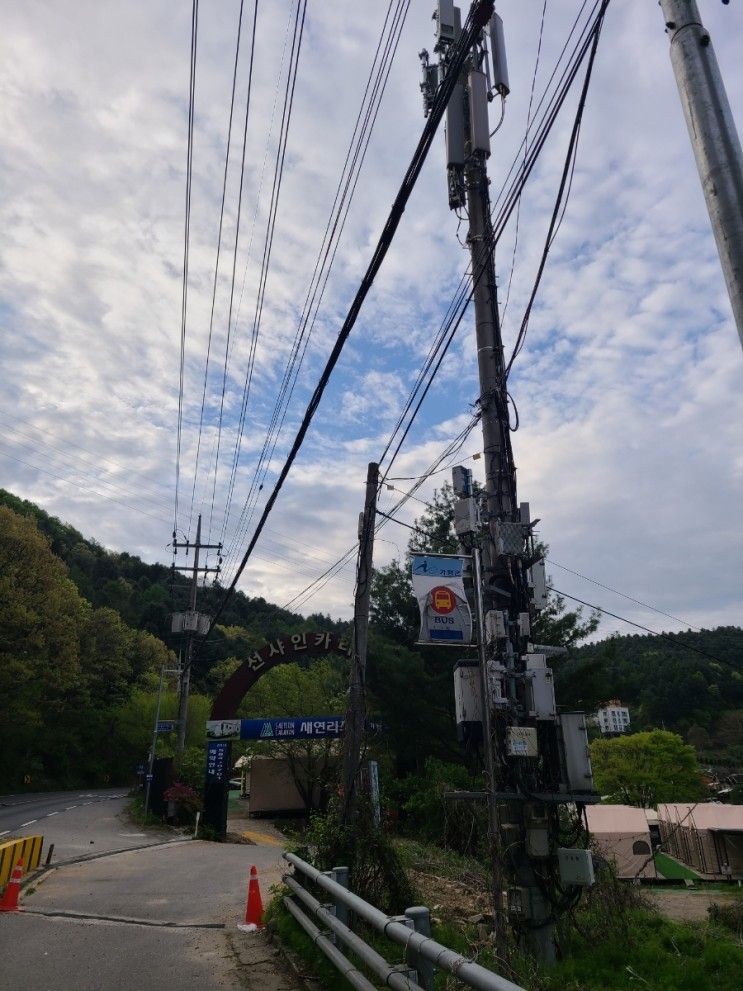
277	729
217	762
165	725
438	586
301	728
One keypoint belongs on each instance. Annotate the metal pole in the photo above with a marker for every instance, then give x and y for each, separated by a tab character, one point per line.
714	138
186	672
499	590
499	921
356	713
154	743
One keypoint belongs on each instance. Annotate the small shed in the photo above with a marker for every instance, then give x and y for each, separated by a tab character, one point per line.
706	836
622	835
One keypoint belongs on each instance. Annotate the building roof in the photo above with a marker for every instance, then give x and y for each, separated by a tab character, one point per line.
616	819
703	815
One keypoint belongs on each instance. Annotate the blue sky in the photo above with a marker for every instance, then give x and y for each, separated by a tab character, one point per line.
628	388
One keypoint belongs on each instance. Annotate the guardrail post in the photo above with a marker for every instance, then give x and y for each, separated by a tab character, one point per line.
340	876
421	919
330	907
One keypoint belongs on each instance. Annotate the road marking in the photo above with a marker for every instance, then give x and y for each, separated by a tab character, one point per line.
262	839
52	814
5	832
87	803
69	807
29	823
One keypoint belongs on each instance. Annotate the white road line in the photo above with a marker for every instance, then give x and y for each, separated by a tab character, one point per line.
70	807
29	823
52	814
5	832
87	803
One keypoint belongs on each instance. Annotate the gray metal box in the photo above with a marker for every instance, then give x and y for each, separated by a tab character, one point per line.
445	23
454	127
465	516
509	537
521	741
575	866
498	56
479	122
495	624
576	757
467	692
539	585
540	691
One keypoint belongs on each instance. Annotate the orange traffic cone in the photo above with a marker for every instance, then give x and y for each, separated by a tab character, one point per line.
9	901
254	907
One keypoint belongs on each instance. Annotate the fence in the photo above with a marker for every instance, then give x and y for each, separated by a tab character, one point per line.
411	930
27	849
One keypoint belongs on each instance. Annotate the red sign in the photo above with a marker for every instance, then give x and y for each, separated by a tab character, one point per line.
443	600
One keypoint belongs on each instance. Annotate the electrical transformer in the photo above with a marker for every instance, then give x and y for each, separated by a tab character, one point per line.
468	701
577	773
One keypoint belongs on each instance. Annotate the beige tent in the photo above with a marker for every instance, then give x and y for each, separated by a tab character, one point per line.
622	835
705	836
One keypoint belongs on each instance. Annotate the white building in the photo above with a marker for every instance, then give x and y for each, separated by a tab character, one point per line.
613	717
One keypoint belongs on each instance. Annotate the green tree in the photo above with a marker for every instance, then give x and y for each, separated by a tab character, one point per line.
646	768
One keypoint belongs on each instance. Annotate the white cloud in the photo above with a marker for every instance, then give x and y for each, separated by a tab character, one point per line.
628	387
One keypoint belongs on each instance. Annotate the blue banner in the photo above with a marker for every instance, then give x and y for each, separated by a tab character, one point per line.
301	728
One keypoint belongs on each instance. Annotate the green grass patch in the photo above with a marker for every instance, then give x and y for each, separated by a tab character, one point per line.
672	869
135	810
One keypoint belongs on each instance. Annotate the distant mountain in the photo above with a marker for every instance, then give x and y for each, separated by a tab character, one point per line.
688	682
145	595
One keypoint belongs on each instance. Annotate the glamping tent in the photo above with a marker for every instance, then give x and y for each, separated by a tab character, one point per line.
622	835
706	836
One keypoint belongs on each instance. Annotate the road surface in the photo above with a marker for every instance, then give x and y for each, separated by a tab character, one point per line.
134	912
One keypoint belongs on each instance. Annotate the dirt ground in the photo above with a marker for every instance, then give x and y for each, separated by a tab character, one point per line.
687	905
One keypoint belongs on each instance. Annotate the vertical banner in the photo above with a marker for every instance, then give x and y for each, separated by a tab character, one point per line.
216	787
438	585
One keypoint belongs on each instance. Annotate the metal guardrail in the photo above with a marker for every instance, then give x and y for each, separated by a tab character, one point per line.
27	849
412	931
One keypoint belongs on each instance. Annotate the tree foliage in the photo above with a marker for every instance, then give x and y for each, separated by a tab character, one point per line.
646	768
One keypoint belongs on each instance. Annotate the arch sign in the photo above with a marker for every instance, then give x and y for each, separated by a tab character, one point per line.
284	650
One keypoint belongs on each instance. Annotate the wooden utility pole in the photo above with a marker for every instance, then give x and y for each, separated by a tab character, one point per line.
193	624
356	712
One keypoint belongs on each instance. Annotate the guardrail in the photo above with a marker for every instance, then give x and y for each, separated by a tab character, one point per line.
411	930
27	849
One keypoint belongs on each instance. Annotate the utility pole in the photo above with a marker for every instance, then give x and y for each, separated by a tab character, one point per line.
193	624
523	739
714	138
356	712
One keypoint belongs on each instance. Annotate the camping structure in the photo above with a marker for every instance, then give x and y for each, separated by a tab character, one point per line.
622	835
706	836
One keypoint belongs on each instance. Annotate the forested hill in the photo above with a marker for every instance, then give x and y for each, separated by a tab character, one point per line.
144	596
683	681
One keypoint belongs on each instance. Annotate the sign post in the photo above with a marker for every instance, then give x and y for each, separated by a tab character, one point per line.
438	585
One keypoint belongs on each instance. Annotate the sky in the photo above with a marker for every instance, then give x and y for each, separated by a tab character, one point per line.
629	447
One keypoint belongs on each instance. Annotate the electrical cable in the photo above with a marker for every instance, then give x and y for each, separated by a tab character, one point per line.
219	242
566	173
639	626
278	176
624	595
186	242
479	15
355	156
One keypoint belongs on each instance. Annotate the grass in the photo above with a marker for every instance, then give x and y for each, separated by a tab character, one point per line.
672	870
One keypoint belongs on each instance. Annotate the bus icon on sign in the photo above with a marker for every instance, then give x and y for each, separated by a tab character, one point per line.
443	600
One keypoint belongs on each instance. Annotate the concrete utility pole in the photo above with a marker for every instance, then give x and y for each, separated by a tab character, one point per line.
356	712
713	137
534	760
192	623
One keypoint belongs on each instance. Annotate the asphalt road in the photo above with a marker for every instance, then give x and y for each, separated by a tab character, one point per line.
137	911
78	823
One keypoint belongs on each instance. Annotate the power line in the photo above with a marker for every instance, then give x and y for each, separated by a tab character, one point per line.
624	595
639	626
186	242
219	243
335	225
